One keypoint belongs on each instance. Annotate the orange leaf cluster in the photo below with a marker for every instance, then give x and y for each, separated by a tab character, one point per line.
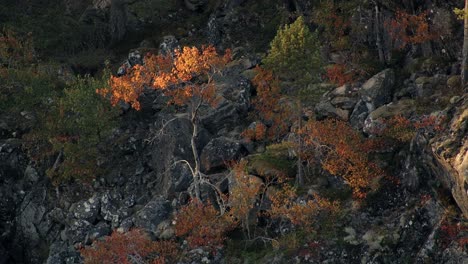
285	204
119	248
407	29
343	153
269	107
403	129
202	225
178	76
339	75
244	193
256	133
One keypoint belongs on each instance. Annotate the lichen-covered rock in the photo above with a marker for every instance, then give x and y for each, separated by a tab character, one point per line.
168	45
87	210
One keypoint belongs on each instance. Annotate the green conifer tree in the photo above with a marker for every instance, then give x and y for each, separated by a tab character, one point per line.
294	55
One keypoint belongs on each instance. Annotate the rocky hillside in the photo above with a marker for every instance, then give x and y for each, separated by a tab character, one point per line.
340	138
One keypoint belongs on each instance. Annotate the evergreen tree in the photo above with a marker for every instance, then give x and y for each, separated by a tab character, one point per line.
294	54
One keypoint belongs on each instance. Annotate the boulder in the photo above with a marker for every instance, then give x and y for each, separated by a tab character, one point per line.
326	109
87	210
234	93
219	151
378	90
168	45
374	121
110	208
195	5
100	230
152	214
168	147
77	232
337	103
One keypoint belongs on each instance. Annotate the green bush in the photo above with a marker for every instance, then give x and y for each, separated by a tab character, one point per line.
294	54
69	135
84	120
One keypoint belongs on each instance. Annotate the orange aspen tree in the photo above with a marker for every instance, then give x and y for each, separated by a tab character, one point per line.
187	78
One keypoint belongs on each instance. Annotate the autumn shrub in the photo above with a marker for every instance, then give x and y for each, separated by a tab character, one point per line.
133	246
203	226
403	129
271	111
294	54
339	75
285	204
343	152
406	29
243	195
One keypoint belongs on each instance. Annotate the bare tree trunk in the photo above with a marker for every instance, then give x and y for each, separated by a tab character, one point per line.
378	36
464	69
196	157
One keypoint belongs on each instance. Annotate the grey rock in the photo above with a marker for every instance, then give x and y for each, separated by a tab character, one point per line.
325	109
31	175
109	209
195	5
182	177
60	252
218	151
359	115
77	232
100	230
135	58
87	210
154	212
234	93
378	90
168	45
126	224
344	102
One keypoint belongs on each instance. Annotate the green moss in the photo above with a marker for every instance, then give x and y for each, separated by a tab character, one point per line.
274	161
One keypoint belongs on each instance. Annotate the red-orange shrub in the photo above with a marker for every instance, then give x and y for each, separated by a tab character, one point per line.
407	29
343	152
202	225
123	247
285	204
339	75
268	107
403	129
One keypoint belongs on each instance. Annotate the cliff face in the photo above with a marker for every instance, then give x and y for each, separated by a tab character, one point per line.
451	152
402	220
